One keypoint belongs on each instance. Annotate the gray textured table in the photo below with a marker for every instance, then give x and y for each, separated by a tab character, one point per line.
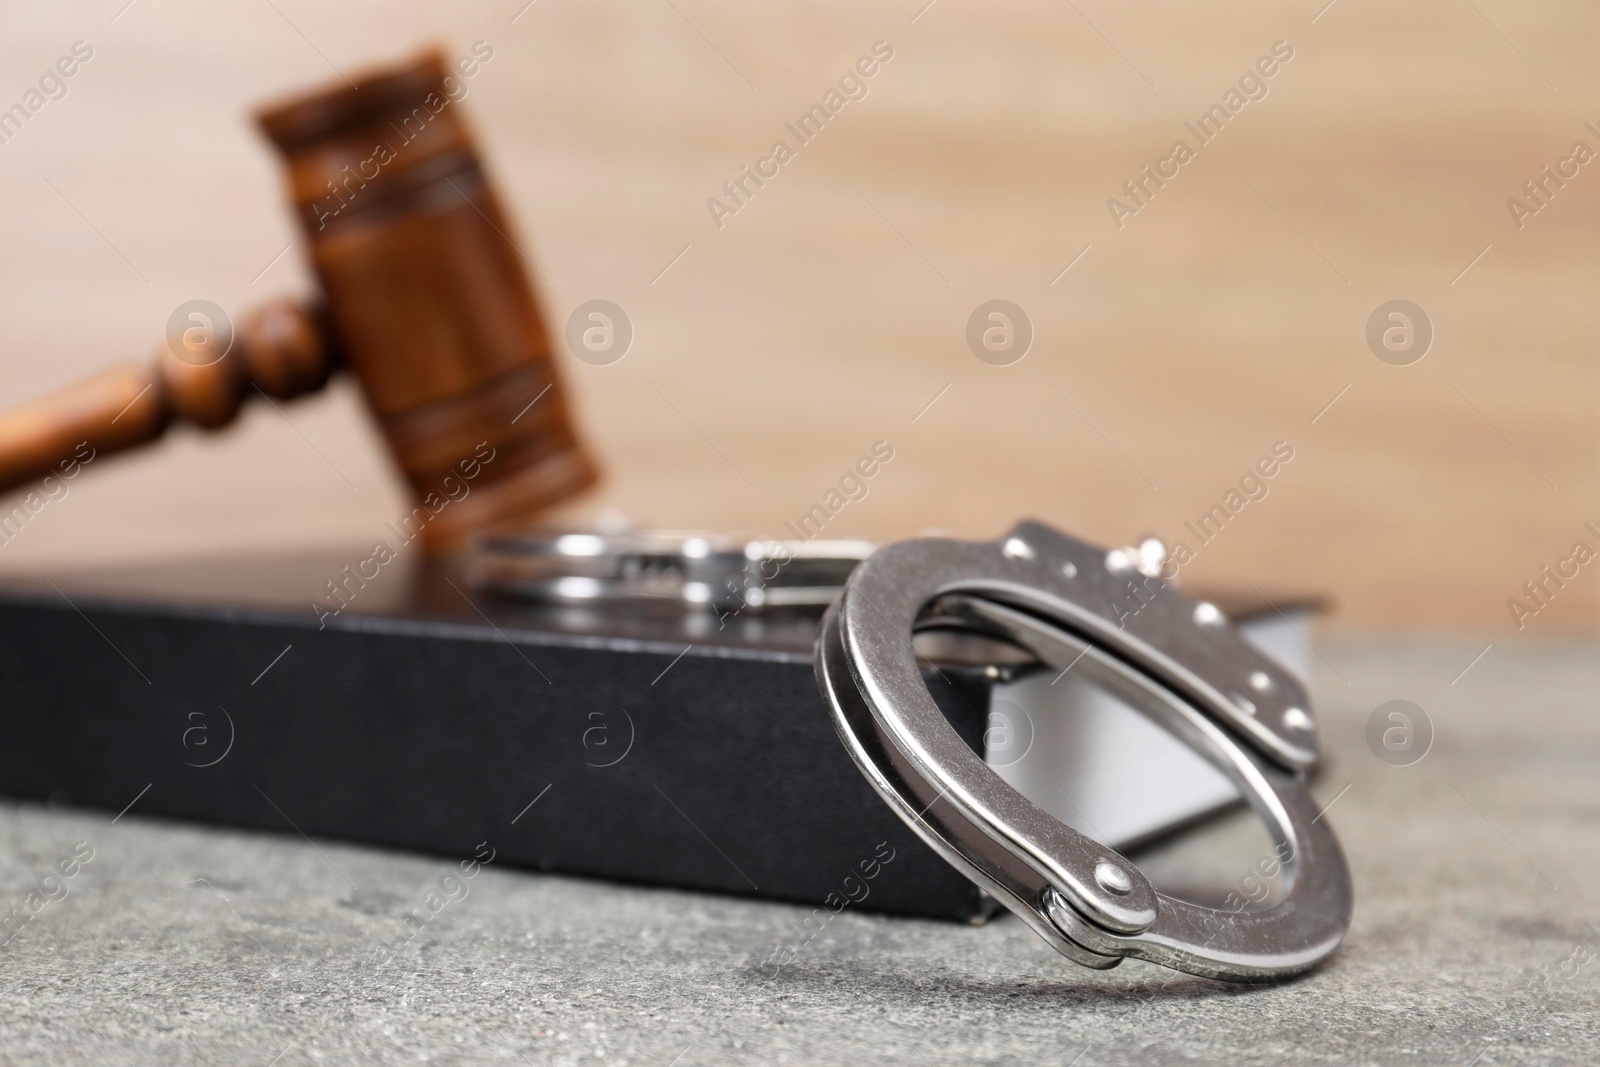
1476	937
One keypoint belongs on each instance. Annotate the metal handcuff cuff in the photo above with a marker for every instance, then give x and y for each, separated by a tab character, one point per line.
1177	661
666	568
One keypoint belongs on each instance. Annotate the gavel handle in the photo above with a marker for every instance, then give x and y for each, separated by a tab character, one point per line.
281	349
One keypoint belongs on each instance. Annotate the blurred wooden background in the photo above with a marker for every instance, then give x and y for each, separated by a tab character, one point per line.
828	313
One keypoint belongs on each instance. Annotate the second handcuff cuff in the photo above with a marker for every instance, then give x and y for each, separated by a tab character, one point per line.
666	569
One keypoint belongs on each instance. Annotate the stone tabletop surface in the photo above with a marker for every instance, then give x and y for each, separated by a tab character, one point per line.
1475	941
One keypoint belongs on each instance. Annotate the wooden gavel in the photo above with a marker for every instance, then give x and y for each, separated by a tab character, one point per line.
423	297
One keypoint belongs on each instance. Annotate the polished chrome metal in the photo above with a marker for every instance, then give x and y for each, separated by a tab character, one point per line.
1058	599
678	569
1112	879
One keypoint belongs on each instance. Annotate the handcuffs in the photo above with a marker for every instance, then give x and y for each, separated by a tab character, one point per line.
1106	615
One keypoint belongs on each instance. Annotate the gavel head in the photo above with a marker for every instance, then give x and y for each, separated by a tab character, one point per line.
426	297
